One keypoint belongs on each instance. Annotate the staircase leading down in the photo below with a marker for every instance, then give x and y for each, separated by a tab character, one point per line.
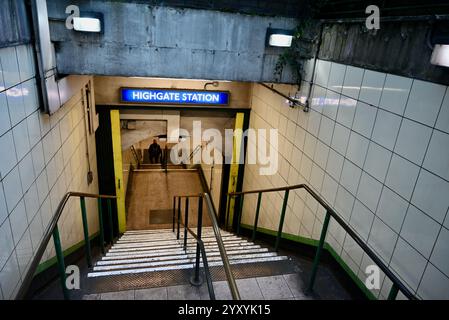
159	250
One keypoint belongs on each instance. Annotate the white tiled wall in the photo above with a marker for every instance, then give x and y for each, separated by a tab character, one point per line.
41	158
376	147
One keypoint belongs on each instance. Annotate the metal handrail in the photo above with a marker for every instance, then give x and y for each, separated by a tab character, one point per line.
134	152
212	216
198	148
165	162
195	280
52	230
397	284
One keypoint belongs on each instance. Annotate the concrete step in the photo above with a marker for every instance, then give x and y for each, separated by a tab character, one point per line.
177	244
124	239
159	166
188	265
179	261
161	250
143	243
164	252
190	254
166	233
159	231
143	251
151	231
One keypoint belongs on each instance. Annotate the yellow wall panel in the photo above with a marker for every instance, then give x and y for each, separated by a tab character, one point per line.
118	169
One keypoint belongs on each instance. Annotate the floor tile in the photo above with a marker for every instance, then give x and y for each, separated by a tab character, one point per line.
120	295
183	292
151	294
274	287
249	289
296	285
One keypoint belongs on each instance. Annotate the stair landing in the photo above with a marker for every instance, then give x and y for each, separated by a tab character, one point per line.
279	287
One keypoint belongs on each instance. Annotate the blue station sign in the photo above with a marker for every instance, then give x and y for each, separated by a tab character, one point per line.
174	96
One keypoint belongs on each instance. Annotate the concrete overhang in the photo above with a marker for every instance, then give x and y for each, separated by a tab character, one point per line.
149	41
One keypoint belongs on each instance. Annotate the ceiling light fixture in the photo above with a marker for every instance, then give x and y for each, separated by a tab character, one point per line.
89	22
86	24
439	42
279	38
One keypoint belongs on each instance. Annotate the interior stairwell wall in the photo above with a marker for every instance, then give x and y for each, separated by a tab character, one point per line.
41	159
375	147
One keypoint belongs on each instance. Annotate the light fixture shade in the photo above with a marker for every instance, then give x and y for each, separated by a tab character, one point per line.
440	55
84	24
280	40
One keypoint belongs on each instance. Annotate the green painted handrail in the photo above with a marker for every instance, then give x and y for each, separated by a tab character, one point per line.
53	231
330	213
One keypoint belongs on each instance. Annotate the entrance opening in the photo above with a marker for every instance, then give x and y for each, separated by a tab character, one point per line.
160	153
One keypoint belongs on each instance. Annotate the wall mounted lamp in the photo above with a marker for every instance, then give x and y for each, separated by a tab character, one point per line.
89	22
279	38
439	41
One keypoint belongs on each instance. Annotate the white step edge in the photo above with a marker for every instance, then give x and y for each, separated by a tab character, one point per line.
167	246
178	248
161	253
174	246
179	267
171	241
170	237
148	231
206	236
167	231
182	261
190	254
151	231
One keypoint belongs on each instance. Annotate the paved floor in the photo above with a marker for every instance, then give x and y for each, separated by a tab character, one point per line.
281	287
155	191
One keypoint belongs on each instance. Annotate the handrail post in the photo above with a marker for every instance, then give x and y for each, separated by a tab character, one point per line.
239	218
319	249
174	213
179	216
226	265
228	209
210	285
61	265
166	159
100	222
111	227
186	223
281	221
86	232
195	279
256	218
393	292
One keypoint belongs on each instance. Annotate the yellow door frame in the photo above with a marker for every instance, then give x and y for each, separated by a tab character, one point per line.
235	165
118	169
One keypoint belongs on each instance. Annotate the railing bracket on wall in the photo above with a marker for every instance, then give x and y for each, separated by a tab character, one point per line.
293	102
